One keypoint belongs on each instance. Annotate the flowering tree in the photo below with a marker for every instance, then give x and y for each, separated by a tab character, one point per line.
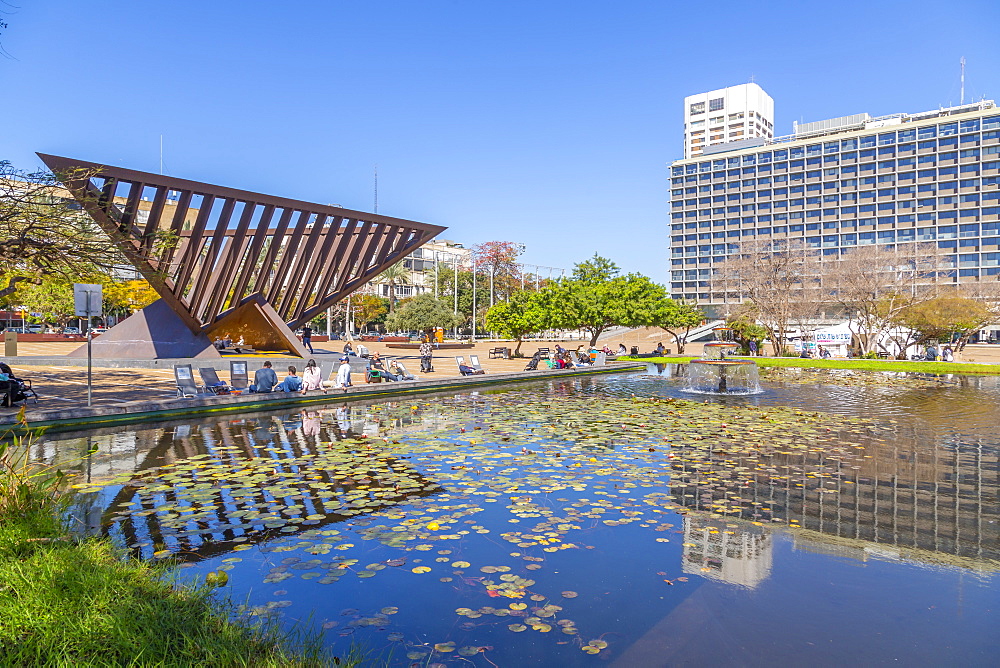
498	260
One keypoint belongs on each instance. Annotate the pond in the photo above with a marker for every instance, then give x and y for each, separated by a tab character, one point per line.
828	520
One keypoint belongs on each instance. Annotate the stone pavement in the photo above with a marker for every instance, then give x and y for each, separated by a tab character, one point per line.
62	386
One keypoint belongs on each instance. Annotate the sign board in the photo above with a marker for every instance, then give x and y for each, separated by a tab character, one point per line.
87	299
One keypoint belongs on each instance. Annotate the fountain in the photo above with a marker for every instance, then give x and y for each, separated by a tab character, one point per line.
714	373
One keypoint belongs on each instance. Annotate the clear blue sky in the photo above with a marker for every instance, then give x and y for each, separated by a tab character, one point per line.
546	123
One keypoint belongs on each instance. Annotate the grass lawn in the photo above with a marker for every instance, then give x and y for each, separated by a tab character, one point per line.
68	602
867	365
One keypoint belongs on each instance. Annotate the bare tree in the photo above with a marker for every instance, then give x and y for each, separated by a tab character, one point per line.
874	284
43	233
777	277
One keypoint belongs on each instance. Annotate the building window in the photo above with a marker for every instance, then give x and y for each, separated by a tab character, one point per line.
697	108
716	104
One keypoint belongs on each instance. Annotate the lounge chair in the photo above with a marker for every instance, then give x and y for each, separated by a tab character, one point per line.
474	363
184	375
239	379
211	383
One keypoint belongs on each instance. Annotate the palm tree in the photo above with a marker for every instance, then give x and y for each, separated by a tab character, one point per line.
392	276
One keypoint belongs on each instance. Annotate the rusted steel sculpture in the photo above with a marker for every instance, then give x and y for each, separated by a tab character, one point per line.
222	258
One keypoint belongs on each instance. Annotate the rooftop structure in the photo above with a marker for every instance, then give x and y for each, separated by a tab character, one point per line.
735	116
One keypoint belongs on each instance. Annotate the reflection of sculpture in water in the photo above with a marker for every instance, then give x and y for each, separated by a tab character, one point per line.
714	373
732	551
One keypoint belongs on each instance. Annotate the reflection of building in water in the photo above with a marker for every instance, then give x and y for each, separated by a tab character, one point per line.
732	551
910	496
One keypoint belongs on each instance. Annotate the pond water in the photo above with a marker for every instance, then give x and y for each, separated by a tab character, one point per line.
614	520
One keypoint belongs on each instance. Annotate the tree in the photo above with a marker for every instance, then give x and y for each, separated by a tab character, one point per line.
745	328
42	235
595	297
367	308
943	317
422	312
777	277
522	314
392	276
677	317
499	260
875	285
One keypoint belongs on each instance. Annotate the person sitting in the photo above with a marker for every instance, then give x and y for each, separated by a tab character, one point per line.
219	344
660	349
467	370
622	350
559	349
947	355
343	374
227	340
375	364
264	379
824	353
291	383
806	353
312	378
399	371
607	351
348	349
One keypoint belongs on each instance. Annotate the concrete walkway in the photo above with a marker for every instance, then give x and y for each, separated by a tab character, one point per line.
126	394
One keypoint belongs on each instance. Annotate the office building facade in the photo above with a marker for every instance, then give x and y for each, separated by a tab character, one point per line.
929	178
735	114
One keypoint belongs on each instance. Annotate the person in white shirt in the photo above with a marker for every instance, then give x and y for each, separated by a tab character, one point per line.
343	374
312	378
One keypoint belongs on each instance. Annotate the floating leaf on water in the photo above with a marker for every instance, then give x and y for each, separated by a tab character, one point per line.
461	564
599	644
518	606
421	569
569	594
390	610
445	646
517	628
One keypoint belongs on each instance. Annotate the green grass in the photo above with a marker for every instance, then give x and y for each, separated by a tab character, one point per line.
863	364
65	602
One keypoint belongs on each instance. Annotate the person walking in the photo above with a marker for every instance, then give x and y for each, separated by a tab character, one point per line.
753	347
307	334
426	355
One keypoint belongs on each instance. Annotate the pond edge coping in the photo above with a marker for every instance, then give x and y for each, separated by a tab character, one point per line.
150	410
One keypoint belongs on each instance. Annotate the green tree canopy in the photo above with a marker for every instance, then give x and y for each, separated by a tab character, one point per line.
596	296
523	314
422	312
677	317
942	317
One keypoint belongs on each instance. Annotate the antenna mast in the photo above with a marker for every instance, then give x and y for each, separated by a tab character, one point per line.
962	98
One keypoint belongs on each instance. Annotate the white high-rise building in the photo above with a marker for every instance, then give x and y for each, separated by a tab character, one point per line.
737	113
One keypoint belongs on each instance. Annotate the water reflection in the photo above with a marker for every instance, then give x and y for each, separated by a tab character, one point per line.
920	486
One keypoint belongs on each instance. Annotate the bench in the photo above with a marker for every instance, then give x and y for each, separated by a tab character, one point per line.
499	351
545	353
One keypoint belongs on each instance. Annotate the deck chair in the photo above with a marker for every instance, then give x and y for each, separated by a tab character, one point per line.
406	374
211	383
239	379
474	363
601	360
184	375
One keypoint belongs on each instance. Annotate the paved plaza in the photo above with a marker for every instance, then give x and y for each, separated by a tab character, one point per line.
65	386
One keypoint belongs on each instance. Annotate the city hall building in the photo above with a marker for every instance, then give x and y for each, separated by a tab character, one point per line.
925	178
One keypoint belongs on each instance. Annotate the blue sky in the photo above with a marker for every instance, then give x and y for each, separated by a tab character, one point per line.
545	123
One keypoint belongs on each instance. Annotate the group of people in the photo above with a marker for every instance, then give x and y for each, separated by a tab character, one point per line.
265	379
946	355
822	352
